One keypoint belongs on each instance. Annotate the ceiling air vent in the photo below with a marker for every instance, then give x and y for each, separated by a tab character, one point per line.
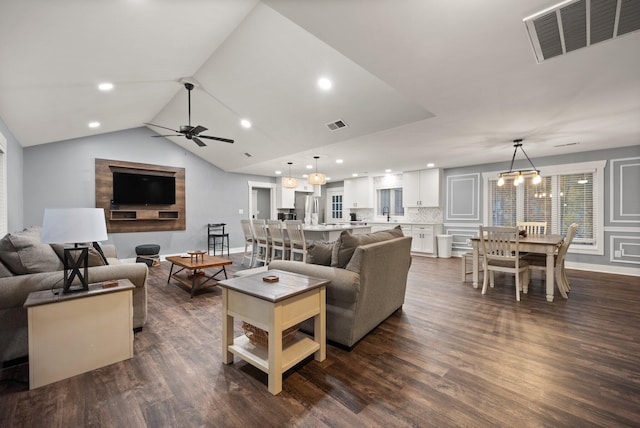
338	124
575	24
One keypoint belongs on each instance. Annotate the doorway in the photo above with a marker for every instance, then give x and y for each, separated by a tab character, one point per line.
262	200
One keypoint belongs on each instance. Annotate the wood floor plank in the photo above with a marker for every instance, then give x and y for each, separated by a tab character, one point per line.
450	357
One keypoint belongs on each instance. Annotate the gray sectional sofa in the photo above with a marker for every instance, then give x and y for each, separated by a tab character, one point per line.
27	265
368	276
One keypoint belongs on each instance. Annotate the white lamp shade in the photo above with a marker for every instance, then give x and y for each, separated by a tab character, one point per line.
73	225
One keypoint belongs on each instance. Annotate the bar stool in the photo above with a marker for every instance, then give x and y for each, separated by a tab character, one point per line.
296	239
249	242
278	241
216	236
263	247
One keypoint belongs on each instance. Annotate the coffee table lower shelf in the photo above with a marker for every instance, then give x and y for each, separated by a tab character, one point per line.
299	349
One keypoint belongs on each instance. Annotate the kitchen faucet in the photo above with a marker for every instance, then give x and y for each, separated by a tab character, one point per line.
387	211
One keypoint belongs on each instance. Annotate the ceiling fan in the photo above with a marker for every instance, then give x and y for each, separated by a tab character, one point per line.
188	131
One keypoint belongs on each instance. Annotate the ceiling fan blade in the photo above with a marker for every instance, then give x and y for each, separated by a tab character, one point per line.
169	135
198	141
198	129
164	127
224	140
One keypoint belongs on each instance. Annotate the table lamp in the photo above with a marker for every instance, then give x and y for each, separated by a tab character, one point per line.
77	226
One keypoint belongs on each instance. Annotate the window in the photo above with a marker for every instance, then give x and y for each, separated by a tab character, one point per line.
336	206
389	201
567	194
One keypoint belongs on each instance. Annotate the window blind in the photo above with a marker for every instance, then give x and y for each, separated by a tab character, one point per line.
577	206
538	201
503	204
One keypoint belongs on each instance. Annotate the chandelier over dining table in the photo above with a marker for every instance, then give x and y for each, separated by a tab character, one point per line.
519	175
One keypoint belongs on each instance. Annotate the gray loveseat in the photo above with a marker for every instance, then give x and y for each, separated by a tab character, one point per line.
368	276
27	265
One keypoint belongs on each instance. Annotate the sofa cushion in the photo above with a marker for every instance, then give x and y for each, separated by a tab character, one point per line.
23	253
319	253
4	271
95	258
347	243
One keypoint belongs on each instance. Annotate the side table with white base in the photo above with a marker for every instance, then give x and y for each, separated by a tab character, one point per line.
74	333
274	307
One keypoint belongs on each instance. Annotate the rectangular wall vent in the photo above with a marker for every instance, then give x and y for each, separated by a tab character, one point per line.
338	124
575	24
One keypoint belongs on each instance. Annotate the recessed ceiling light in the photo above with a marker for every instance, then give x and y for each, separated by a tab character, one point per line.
387	170
430	165
309	166
324	83
305	175
339	161
94	124
245	123
105	86
355	174
278	172
327	178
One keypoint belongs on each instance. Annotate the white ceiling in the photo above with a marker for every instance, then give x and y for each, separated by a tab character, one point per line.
417	81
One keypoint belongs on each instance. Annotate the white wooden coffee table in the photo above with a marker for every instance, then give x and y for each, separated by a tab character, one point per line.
274	307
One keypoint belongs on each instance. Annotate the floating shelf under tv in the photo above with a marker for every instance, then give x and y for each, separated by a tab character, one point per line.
124	215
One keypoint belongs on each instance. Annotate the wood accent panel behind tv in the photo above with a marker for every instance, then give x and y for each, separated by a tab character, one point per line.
139	218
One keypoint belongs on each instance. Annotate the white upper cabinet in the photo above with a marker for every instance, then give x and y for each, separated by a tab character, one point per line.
421	188
285	198
358	193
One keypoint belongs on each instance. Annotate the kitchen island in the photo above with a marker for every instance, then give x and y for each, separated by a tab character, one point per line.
331	232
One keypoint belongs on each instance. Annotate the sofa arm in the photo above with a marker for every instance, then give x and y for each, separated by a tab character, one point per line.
344	287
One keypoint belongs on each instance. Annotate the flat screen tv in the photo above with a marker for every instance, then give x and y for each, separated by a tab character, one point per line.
143	189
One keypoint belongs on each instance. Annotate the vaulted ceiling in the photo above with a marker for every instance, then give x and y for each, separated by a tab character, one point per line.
452	83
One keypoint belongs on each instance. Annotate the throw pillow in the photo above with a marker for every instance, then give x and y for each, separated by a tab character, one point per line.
4	271
319	253
23	253
95	259
347	243
98	248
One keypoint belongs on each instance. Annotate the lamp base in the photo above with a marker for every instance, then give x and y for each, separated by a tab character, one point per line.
75	259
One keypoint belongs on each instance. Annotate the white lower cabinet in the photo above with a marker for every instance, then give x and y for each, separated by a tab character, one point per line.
424	238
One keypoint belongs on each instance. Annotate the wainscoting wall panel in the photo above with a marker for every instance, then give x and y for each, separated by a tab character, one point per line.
625	198
463	198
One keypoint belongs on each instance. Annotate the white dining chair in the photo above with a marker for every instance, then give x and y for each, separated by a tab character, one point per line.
279	243
501	253
262	241
297	242
533	227
249	242
539	261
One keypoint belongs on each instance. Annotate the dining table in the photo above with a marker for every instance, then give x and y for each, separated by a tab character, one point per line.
539	244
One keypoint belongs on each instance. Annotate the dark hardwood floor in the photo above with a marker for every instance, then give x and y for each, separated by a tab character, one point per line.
450	357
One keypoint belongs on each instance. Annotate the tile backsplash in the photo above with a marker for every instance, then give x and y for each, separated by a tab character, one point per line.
423	215
411	215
